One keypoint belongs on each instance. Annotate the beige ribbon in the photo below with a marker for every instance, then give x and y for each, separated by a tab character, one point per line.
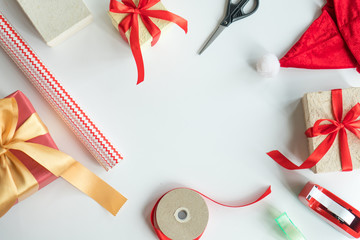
17	182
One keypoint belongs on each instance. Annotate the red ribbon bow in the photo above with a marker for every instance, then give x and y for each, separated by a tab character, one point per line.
131	21
335	127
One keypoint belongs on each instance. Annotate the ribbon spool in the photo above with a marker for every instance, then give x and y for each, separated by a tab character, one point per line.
182	214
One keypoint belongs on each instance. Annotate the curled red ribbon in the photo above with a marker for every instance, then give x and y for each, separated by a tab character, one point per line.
336	126
162	236
131	21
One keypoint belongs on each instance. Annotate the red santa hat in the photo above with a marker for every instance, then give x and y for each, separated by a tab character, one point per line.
331	42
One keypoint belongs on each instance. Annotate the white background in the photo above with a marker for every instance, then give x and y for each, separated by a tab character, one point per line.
204	122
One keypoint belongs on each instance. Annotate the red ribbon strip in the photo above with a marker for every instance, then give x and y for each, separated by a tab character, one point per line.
335	127
131	21
162	236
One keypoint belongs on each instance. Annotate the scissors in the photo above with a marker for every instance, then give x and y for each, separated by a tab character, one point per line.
234	12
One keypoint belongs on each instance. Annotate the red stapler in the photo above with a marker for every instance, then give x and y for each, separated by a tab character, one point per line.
334	210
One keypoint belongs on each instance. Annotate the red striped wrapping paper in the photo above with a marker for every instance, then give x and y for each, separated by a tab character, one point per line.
61	101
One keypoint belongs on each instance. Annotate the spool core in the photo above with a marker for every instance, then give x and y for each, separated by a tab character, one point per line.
182	215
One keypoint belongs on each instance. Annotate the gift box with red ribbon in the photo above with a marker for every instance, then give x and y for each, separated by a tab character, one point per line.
30	160
141	22
332	121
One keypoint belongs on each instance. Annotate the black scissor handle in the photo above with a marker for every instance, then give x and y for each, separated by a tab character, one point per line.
235	12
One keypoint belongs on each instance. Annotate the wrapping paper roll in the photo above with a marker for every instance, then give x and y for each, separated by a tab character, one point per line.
45	82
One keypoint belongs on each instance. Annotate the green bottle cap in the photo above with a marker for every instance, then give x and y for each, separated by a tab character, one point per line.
288	227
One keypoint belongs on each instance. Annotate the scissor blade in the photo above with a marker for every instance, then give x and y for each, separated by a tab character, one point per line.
213	36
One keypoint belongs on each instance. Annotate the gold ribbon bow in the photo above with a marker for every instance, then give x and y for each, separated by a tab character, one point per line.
17	182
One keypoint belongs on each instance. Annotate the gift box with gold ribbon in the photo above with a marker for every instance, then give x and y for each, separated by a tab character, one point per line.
29	159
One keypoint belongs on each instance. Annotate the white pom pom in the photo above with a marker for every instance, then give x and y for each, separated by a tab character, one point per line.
268	66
